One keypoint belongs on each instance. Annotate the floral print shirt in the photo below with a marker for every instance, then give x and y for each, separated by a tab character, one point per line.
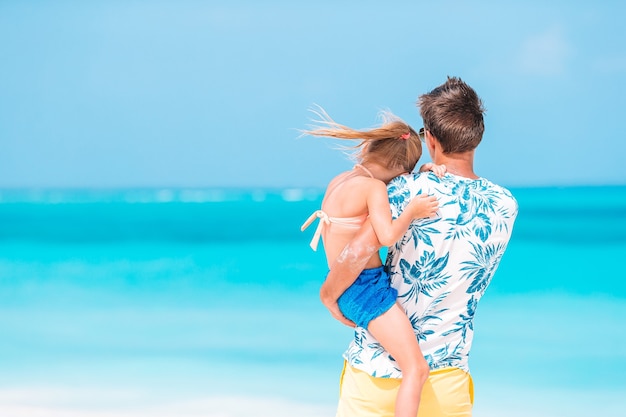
441	268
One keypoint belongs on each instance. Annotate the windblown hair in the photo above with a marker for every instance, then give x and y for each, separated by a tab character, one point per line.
453	113
384	145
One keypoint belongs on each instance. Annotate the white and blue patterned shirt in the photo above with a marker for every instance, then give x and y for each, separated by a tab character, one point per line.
441	268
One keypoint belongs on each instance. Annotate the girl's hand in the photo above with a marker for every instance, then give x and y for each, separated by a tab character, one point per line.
438	170
423	206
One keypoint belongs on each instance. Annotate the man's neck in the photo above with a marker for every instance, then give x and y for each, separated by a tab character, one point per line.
461	164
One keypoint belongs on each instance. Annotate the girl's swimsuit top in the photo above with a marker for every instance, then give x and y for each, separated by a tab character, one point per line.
325	219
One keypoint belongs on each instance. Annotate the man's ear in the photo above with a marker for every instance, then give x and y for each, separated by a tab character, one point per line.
430	141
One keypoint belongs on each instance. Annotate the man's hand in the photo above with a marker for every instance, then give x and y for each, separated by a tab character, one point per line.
333	308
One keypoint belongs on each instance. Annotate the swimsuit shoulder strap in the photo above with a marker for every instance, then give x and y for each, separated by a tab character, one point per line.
367	171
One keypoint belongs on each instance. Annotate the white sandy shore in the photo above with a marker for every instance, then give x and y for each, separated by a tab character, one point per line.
60	402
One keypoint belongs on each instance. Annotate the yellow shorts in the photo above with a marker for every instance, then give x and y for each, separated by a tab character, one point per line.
447	392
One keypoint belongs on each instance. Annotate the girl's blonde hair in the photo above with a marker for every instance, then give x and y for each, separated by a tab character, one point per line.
394	144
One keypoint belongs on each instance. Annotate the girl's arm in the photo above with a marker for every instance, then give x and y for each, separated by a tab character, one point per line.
387	229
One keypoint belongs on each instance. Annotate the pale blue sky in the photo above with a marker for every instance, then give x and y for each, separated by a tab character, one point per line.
210	93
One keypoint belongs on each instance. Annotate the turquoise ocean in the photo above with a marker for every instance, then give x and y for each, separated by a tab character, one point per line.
204	302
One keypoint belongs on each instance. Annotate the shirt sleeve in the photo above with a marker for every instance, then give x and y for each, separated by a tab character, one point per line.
404	187
399	190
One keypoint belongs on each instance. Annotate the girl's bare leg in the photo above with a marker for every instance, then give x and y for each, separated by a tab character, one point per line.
394	332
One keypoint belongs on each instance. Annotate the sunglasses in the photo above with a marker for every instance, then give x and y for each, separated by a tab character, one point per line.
422	134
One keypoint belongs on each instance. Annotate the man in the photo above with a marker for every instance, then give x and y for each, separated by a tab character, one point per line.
440	268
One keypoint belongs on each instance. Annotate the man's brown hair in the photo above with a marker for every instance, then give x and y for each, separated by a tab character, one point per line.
453	113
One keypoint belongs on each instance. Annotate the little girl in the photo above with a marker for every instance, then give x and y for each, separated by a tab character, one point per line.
360	194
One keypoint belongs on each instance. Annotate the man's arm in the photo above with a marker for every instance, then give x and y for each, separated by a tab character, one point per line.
347	267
